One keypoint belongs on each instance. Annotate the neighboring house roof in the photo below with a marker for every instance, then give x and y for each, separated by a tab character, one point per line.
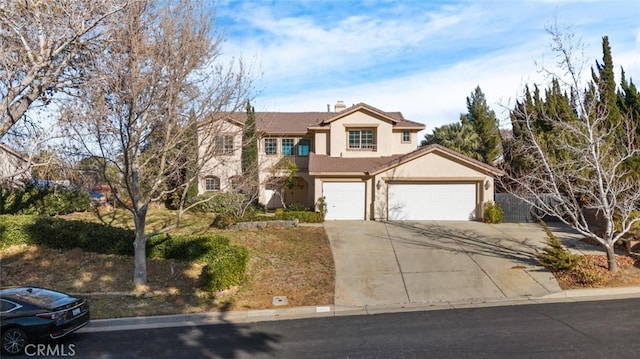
299	123
326	165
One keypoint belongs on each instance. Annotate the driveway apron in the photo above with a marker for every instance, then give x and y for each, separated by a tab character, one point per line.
380	263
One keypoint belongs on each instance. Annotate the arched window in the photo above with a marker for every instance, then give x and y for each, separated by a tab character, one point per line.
212	184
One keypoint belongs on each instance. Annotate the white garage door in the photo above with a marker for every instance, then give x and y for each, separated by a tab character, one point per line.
432	201
345	200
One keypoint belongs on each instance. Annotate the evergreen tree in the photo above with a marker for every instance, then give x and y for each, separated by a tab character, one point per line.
605	84
460	137
485	124
250	151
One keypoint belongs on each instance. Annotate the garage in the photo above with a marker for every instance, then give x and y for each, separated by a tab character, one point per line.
432	201
345	200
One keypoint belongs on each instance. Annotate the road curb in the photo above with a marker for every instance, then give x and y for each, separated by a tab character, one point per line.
330	310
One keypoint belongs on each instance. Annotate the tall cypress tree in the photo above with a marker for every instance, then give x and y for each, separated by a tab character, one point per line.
250	150
605	83
484	121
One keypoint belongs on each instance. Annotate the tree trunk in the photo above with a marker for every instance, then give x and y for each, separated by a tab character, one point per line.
140	258
140	250
611	258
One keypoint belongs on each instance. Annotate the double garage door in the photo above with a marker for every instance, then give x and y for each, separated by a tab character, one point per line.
406	201
432	201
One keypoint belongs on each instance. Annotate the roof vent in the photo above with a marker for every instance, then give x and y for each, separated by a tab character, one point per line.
340	106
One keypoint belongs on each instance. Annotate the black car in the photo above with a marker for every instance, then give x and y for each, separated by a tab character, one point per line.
32	314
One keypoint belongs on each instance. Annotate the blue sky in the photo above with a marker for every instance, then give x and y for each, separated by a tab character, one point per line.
423	58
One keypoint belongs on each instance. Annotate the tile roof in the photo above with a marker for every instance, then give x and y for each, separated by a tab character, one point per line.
291	123
346	165
322	164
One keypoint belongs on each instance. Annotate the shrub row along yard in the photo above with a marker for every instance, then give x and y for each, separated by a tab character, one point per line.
80	254
225	264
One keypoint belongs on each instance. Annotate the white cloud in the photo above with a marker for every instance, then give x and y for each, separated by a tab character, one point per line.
423	59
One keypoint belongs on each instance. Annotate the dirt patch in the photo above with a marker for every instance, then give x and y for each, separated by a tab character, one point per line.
292	262
593	272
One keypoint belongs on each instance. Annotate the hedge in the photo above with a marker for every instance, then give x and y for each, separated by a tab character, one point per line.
225	264
302	216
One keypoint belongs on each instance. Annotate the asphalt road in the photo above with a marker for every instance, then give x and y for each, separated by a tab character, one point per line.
602	329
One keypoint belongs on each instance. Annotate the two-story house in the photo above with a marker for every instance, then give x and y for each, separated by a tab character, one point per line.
364	161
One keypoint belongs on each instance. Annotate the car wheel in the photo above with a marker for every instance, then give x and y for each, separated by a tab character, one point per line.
14	340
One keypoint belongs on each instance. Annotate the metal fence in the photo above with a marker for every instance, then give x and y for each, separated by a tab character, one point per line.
518	211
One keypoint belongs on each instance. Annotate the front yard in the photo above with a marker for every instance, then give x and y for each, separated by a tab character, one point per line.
293	262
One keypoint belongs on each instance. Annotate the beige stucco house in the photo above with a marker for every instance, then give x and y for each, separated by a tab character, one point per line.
364	161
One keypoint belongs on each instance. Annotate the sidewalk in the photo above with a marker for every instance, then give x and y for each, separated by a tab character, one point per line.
251	316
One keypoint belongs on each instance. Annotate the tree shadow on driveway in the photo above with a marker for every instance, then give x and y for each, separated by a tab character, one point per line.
463	239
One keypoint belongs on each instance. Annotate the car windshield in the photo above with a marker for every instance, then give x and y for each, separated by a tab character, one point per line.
38	296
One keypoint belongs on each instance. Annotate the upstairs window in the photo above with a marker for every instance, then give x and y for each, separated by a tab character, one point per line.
223	145
287	146
361	140
270	146
304	147
406	136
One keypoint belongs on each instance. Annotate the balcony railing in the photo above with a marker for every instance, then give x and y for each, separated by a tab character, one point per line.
363	147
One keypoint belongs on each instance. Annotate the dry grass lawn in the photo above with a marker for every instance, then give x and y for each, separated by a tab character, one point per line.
292	262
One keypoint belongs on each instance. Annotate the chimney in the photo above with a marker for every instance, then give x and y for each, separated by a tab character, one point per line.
340	106
328	108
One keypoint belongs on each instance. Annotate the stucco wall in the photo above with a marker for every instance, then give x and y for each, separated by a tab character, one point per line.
360	120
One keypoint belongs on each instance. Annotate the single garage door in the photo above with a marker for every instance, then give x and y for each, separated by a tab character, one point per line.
432	201
345	200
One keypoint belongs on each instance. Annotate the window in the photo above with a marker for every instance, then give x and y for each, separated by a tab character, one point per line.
7	306
212	184
223	145
304	147
270	146
287	146
406	136
361	140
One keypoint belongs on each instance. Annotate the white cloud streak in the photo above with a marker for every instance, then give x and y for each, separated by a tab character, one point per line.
418	58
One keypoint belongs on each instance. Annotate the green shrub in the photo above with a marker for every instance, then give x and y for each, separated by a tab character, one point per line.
225	264
62	234
219	202
554	256
297	207
92	237
222	221
54	200
303	217
12	229
279	212
493	213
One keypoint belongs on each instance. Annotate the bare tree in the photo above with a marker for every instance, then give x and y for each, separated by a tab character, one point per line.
45	47
161	72
580	167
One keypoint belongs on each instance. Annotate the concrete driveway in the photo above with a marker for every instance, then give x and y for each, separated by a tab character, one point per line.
382	263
